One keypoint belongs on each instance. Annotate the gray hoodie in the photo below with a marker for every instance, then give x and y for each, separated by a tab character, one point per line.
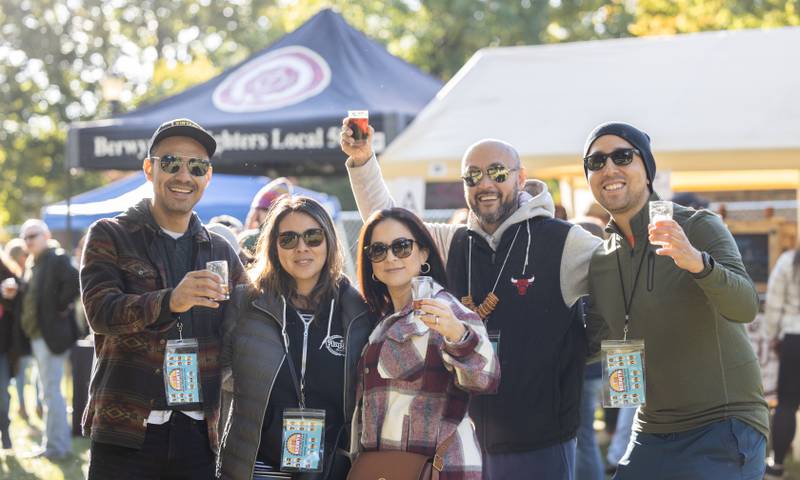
371	194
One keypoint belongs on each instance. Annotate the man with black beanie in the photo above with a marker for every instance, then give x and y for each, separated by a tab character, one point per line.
687	298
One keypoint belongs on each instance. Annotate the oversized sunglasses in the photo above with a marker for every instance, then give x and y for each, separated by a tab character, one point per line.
620	157
312	237
498	173
198	167
401	248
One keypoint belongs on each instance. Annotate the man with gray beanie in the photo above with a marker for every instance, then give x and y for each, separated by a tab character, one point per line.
677	286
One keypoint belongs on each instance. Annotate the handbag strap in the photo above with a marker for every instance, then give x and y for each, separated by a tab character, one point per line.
438	457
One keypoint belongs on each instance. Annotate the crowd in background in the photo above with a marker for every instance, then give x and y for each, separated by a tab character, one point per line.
366	345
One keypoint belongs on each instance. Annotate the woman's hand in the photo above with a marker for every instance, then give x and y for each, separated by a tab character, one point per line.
438	316
358	151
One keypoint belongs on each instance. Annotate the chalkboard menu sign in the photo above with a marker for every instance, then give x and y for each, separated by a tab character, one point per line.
754	248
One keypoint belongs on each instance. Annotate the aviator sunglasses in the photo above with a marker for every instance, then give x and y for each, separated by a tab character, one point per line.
497	172
198	167
312	237
620	157
401	248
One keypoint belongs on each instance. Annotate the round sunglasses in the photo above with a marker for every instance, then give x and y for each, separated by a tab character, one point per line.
313	237
620	157
171	164
497	173
401	248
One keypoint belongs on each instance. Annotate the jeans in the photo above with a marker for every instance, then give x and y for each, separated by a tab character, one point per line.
24	367
725	450
57	439
5	378
551	463
588	463
622	435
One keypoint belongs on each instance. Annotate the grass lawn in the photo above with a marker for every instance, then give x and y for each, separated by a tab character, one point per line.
27	435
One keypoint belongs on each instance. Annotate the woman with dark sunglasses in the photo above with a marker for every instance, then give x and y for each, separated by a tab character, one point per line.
292	340
420	367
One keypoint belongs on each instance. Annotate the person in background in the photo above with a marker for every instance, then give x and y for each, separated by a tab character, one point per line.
259	207
588	463
292	338
226	233
421	367
229	221
24	371
263	199
10	274
47	294
153	410
782	324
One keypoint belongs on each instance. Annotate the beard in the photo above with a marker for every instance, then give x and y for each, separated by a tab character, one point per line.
496	216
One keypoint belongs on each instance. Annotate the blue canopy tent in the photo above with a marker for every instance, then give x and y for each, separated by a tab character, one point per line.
226	194
278	112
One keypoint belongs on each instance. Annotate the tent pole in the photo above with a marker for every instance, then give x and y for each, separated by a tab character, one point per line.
70	246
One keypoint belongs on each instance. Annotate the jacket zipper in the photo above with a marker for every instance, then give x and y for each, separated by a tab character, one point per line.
269	392
347	353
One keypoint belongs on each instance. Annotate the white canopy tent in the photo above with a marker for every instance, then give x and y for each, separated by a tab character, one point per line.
712	102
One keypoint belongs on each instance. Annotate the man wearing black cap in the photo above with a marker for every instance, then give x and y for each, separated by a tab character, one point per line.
687	298
156	313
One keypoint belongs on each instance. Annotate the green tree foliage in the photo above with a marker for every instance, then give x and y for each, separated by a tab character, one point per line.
661	17
54	53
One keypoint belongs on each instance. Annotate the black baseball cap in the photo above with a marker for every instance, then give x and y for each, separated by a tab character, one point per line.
183	127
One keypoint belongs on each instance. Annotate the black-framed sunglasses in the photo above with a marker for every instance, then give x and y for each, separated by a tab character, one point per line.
198	167
401	248
620	157
313	237
497	173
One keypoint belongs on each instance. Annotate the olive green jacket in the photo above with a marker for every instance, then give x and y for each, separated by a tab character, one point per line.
700	366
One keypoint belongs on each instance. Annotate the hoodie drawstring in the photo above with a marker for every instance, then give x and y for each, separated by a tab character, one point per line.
330	320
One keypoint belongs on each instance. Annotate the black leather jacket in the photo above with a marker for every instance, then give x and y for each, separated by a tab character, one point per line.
253	350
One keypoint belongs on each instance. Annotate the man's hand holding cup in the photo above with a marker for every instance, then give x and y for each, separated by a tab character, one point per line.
200	288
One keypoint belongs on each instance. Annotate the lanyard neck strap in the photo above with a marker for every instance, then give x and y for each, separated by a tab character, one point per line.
299	386
626	301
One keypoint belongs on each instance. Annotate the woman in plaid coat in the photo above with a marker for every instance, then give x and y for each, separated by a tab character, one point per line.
418	371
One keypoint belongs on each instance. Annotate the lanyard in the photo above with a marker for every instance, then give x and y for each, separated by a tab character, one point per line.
627	302
299	387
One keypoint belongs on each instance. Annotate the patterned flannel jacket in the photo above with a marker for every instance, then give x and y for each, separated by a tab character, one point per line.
415	388
125	289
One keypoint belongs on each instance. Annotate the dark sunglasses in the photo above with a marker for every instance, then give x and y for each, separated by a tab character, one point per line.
498	173
198	167
312	237
401	248
31	236
620	157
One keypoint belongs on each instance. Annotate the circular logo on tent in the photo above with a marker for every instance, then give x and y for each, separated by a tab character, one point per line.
280	78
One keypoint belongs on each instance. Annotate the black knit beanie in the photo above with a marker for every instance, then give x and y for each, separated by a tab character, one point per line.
634	136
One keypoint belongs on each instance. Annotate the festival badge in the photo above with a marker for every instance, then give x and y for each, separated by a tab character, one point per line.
623	373
303	440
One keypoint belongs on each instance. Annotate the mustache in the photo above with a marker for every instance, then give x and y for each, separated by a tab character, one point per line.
187	186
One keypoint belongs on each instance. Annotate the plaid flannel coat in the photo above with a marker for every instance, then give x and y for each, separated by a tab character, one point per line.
415	388
125	290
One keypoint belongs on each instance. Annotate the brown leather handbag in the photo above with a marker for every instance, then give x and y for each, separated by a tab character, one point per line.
396	465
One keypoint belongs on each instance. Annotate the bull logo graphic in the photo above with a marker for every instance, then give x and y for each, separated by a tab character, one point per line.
522	284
